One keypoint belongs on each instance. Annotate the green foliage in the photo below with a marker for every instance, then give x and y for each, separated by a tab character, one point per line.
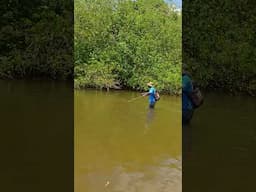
219	43
36	39
130	42
96	74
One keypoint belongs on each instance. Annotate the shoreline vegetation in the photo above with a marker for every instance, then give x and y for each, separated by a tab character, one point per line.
104	89
129	43
124	44
36	40
220	49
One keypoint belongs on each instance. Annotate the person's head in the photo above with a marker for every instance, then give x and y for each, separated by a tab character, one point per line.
184	68
150	84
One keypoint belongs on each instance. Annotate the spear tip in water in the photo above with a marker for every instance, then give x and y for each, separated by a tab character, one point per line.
107	183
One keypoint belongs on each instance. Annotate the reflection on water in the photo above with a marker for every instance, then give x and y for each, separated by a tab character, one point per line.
149	118
123	146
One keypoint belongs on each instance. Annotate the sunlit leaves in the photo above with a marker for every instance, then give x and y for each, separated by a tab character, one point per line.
139	40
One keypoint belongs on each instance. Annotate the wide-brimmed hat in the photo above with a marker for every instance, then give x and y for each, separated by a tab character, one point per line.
150	84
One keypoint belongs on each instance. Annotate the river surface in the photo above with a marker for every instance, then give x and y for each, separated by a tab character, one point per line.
122	146
36	140
219	146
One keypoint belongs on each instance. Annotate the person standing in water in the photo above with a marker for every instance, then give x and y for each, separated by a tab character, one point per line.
151	95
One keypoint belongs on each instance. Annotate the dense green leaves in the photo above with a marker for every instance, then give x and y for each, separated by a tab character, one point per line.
219	43
36	39
130	42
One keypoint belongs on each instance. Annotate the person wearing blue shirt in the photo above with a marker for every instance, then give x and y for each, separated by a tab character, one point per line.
151	95
187	105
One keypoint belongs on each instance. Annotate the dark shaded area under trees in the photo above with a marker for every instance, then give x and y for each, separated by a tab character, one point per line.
36	39
219	44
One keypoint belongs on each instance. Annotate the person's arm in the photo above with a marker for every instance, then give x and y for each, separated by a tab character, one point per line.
151	91
145	94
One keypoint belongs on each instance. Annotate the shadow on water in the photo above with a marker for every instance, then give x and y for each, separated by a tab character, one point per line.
219	146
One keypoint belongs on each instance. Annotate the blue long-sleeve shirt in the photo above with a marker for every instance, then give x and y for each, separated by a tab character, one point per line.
151	97
187	88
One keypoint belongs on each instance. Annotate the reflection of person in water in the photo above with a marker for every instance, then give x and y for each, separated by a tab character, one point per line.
149	119
187	114
187	142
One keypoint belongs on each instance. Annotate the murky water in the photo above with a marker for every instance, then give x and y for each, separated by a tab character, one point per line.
219	151
122	146
36	141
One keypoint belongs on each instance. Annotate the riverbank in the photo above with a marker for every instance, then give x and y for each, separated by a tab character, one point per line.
229	92
173	93
162	92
